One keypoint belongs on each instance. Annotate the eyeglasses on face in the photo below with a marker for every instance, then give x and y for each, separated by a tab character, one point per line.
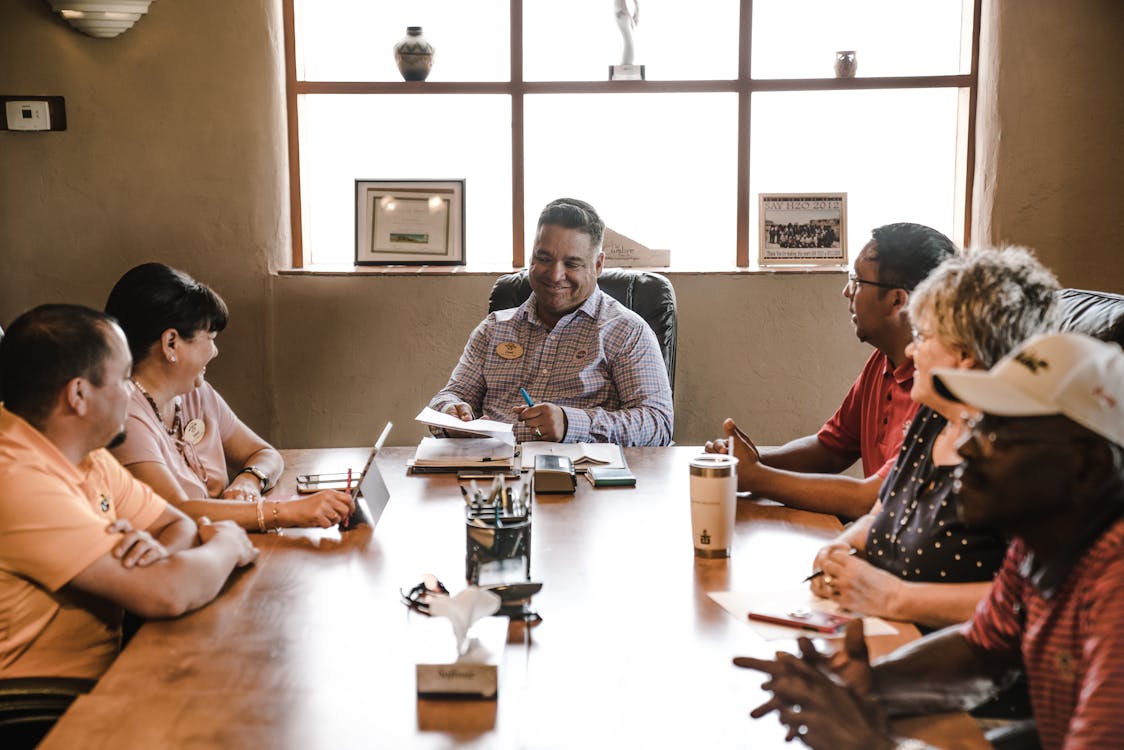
853	282
919	336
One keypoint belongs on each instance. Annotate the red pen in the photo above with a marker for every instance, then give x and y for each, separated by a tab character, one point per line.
346	520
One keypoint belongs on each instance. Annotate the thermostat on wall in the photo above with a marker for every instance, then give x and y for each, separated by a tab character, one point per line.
28	115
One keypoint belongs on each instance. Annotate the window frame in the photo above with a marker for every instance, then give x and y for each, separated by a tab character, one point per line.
744	86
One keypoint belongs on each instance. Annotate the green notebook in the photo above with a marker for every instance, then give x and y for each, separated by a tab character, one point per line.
606	476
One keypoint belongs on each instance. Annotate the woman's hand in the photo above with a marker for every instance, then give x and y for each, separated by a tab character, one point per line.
322	509
819	586
859	586
245	487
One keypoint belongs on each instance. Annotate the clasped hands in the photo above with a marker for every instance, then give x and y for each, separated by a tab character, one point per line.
825	700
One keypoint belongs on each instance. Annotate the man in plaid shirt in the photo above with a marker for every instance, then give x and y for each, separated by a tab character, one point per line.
592	366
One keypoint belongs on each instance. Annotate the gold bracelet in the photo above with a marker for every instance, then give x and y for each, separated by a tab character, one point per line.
261	517
276	517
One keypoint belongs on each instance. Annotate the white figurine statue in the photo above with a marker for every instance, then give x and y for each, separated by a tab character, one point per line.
627	22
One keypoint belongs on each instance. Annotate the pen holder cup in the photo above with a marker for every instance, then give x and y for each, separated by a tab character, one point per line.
497	554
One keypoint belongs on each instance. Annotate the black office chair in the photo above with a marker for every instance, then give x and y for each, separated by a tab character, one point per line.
649	295
30	706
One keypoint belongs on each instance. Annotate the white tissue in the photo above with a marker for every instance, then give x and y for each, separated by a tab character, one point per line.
463	610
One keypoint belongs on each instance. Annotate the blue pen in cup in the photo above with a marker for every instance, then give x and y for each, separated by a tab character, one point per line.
526	396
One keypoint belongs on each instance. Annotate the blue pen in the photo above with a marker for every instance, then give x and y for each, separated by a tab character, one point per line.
526	396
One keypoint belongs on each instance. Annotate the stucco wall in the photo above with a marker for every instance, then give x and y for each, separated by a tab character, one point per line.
176	151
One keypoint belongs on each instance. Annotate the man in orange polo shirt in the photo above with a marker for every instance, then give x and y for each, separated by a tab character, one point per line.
80	538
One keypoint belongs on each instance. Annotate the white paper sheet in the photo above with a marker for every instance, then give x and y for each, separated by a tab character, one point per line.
486	427
740	603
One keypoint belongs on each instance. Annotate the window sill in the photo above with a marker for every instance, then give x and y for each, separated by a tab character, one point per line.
320	271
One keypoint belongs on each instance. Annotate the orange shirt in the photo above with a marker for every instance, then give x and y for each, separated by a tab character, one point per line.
53	519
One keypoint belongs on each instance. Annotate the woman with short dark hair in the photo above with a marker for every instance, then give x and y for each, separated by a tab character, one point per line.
180	434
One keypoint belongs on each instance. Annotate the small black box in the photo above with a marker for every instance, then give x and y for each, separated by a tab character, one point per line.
554	475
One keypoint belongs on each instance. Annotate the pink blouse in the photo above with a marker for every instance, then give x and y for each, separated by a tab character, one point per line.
200	469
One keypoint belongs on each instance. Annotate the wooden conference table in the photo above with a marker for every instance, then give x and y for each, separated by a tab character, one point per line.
310	647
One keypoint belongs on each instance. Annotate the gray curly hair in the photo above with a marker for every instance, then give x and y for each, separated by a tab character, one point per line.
988	301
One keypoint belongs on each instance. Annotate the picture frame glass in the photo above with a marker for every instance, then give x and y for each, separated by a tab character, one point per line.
409	222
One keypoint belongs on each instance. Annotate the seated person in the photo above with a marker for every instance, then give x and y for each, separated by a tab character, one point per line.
182	436
918	562
873	417
1045	464
80	538
592	366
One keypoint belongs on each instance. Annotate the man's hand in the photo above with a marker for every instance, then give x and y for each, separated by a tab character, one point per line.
824	700
545	421
743	449
137	548
463	412
228	533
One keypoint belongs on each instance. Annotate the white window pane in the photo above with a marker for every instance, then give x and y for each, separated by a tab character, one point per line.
659	168
893	152
435	137
578	40
799	38
353	40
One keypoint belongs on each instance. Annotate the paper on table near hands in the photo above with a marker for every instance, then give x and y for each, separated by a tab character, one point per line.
487	427
741	603
463	610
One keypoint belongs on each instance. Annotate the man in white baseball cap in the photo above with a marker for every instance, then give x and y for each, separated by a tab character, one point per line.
1045	463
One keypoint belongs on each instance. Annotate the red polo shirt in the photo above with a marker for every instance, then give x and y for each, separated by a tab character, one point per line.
873	418
1070	638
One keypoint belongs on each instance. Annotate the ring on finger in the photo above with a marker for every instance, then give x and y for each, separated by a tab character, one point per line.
538	432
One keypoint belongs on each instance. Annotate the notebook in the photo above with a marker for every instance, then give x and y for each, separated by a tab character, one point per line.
449	454
583	455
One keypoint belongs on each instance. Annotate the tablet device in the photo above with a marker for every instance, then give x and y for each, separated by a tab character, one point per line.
369	493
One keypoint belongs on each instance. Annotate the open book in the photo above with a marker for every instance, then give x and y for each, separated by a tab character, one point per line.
463	453
486	427
583	455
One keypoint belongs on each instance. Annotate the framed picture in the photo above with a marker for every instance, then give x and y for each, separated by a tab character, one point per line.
802	229
411	222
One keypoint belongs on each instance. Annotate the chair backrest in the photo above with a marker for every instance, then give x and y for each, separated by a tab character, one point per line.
1098	314
647	294
30	706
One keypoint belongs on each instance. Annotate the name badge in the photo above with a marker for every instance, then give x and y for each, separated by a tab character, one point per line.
194	431
509	350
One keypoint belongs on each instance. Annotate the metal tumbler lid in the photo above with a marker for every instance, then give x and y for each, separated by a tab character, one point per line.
713	465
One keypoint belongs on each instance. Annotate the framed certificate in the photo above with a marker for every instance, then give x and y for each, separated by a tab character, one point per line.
409	222
802	229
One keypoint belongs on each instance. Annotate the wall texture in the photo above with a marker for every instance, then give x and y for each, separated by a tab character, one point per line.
176	151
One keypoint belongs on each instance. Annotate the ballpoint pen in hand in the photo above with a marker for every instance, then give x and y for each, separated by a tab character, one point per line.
819	571
526	397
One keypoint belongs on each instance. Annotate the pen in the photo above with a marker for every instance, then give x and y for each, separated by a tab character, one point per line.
526	396
819	571
346	520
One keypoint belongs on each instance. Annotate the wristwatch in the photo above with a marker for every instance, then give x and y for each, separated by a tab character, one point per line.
261	475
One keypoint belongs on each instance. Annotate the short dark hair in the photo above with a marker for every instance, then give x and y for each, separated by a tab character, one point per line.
907	253
572	213
46	348
152	297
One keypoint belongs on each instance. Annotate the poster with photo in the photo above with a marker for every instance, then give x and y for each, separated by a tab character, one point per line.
802	229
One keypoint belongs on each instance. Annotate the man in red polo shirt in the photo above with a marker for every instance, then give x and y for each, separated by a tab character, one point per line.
1046	464
871	421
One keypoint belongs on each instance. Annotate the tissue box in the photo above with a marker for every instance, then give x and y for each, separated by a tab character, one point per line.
442	674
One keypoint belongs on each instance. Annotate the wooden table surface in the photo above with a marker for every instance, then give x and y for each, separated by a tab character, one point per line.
311	647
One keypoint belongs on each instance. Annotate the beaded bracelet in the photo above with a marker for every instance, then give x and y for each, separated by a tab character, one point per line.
261	517
276	517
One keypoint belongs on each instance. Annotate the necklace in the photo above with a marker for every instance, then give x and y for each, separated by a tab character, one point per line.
176	430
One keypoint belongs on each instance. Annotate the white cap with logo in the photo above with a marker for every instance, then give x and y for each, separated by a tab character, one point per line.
1071	374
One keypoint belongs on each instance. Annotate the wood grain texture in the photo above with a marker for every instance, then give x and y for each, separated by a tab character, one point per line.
310	648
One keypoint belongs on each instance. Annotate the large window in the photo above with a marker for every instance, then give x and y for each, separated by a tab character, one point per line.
740	98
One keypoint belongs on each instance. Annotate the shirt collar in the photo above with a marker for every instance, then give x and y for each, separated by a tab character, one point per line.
591	308
902	374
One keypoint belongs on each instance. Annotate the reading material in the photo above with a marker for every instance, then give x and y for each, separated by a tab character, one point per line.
454	453
486	427
583	455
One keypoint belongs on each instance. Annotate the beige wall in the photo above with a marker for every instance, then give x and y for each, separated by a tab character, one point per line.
175	151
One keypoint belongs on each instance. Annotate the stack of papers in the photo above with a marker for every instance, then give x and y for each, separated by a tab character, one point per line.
467	453
583	455
486	427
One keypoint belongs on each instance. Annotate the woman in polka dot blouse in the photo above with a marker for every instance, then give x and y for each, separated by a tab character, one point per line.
916	561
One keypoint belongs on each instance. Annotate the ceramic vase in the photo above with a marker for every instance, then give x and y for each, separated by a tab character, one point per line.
414	55
846	64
